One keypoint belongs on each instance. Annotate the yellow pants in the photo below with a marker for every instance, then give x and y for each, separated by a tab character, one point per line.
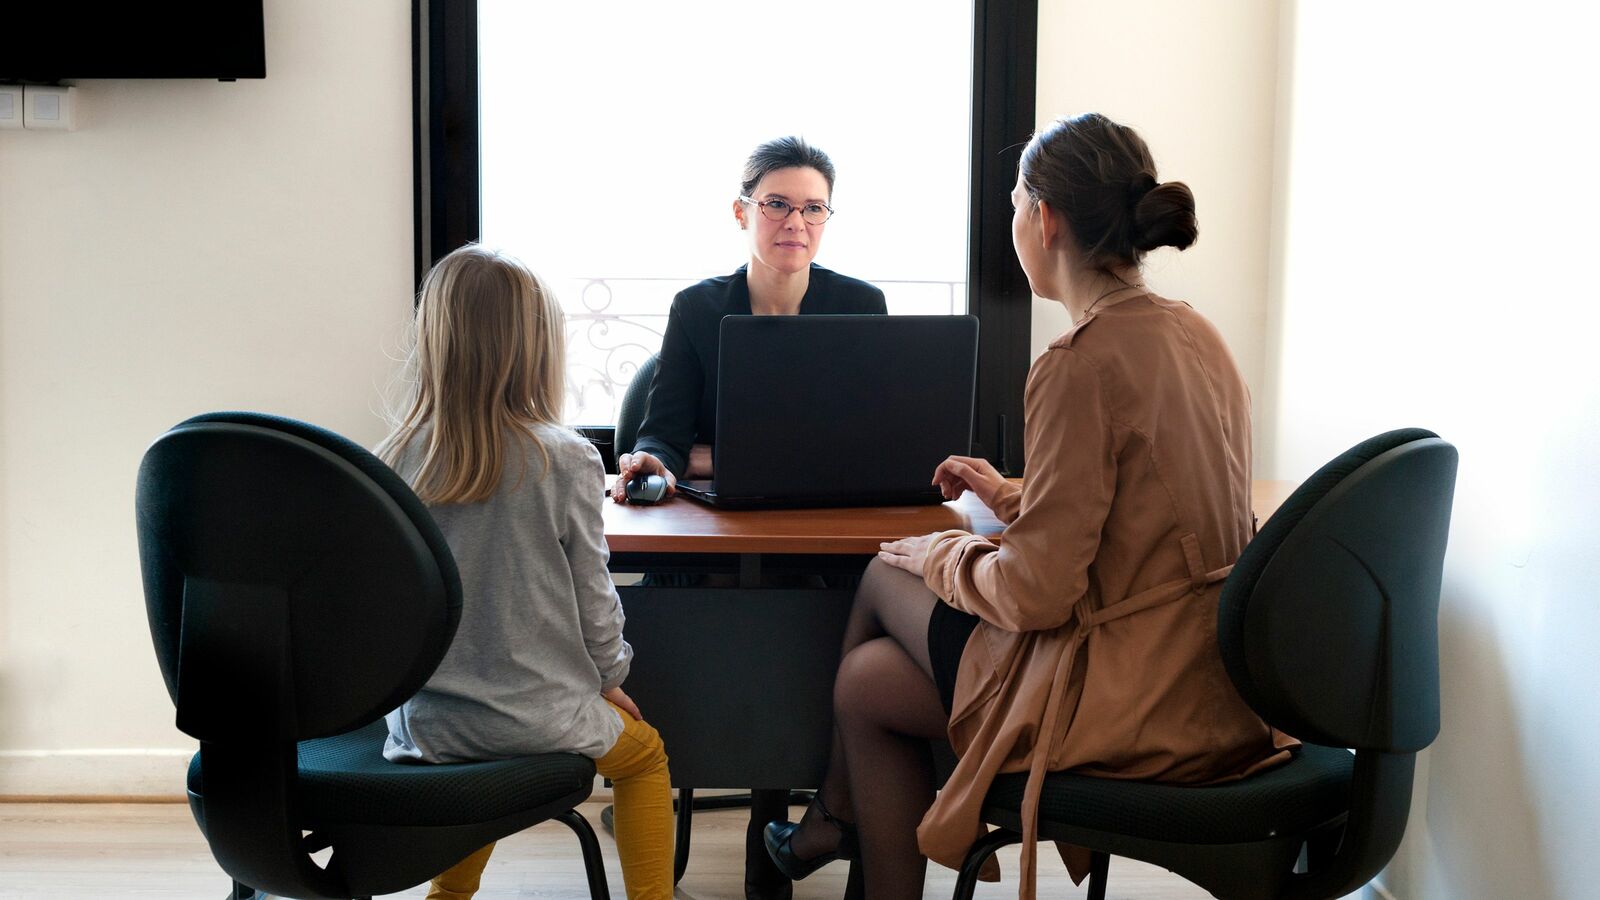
642	800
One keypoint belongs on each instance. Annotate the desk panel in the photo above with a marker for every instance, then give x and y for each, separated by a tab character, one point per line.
738	681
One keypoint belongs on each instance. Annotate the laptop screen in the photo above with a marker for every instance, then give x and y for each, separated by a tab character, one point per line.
818	407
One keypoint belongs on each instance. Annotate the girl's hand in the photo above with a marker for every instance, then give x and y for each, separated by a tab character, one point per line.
960	474
623	702
909	553
641	463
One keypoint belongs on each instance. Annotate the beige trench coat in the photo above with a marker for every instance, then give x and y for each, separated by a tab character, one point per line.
1099	606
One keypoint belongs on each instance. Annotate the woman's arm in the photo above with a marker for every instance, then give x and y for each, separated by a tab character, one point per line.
668	429
584	543
959	474
641	462
1034	578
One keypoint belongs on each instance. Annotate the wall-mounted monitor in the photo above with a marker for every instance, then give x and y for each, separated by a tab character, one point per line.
42	41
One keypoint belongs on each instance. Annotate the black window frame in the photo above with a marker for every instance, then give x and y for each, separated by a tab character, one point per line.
447	185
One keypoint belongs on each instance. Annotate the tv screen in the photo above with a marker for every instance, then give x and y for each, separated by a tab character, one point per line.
182	39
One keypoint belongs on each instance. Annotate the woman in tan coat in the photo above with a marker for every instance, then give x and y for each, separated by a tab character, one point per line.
1085	639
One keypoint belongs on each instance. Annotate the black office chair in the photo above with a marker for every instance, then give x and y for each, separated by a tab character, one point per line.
1328	627
634	400
297	590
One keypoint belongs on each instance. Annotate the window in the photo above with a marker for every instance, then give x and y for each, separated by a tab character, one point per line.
603	144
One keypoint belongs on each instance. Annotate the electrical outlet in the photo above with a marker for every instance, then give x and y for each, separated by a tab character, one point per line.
48	107
10	106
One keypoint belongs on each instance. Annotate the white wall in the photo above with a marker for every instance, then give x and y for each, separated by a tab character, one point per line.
1438	215
194	246
1197	81
199	246
1396	209
1417	256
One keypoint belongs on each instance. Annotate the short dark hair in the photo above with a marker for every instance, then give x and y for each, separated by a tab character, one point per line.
1101	177
784	153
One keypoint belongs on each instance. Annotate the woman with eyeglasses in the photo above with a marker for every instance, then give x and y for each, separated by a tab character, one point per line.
783	206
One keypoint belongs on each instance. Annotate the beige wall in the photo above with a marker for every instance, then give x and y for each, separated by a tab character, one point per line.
1437	220
194	246
1197	80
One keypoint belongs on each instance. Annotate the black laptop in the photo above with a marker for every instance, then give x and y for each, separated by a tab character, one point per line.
839	410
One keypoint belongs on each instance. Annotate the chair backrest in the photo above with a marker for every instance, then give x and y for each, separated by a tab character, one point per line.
1328	624
1328	627
631	414
295	586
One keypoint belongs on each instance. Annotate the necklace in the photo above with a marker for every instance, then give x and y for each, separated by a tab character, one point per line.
1125	287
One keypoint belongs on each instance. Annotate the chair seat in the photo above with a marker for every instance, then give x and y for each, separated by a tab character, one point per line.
1293	798
344	779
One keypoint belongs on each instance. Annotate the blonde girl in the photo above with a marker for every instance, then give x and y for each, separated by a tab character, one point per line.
539	659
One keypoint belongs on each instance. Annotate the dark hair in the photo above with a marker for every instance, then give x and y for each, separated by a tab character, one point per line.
784	153
1101	177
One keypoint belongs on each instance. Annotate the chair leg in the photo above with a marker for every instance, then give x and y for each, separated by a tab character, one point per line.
855	887
967	880
762	879
688	801
593	866
684	808
680	851
1322	846
1099	864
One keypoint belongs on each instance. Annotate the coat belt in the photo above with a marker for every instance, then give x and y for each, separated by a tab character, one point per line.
1088	620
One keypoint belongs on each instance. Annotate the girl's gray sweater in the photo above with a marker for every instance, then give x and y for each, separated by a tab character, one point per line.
541	623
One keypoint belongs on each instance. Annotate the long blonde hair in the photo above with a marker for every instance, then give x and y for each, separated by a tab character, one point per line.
487	362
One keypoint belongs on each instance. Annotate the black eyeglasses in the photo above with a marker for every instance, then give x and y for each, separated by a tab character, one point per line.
778	209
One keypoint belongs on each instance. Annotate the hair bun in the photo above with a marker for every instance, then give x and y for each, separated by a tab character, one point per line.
1101	177
1142	183
1164	215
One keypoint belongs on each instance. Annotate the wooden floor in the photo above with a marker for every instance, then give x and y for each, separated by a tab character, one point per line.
153	850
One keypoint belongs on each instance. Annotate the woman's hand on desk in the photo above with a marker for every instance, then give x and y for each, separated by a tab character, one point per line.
641	463
960	474
623	702
909	553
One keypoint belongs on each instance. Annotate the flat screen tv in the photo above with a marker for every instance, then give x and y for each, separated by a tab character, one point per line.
47	42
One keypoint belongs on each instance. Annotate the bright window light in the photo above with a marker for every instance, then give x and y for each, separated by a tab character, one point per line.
613	136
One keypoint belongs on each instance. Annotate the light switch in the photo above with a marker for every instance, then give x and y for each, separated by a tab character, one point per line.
10	106
47	107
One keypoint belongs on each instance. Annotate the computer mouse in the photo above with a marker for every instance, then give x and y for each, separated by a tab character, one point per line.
646	489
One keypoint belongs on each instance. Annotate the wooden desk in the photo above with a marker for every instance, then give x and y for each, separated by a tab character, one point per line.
681	525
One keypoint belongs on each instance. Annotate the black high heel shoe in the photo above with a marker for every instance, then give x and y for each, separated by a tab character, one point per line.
778	837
